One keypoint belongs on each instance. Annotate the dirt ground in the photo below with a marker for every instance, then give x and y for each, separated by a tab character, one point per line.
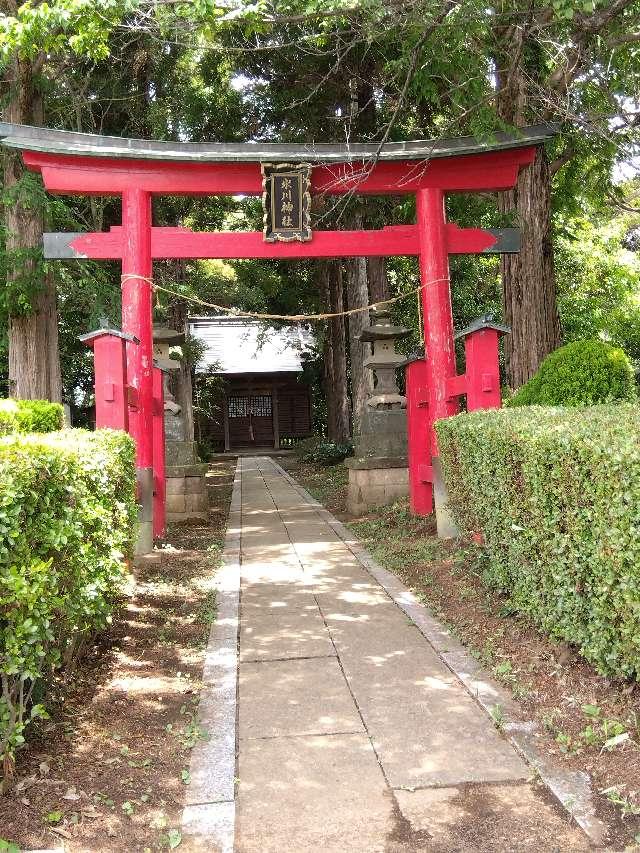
107	771
591	723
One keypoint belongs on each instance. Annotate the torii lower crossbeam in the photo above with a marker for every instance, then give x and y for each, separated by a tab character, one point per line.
183	243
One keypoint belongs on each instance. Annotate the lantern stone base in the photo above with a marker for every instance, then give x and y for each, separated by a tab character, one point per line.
382	433
376	481
187	497
181	452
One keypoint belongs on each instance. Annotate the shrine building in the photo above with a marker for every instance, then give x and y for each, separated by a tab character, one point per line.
266	403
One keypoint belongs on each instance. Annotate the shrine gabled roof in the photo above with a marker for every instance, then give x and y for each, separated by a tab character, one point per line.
65	142
236	345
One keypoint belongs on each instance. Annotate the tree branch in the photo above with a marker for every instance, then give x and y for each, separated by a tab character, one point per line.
586	27
629	38
563	159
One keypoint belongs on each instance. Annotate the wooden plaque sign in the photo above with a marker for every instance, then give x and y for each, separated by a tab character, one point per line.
286	201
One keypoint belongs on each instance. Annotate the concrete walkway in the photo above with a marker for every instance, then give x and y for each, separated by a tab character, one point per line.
353	734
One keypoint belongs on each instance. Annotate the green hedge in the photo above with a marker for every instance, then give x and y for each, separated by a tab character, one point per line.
67	523
556	493
581	373
319	450
30	416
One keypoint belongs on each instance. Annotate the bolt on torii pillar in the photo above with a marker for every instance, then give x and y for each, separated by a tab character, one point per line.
78	163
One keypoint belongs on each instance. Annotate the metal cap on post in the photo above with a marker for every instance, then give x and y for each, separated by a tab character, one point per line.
485	321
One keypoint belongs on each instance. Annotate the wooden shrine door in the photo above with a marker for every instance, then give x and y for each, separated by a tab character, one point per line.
250	421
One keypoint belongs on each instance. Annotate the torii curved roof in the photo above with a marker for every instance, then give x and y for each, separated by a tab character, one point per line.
67	142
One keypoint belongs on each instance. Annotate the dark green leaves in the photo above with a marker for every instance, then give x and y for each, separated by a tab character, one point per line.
556	493
67	521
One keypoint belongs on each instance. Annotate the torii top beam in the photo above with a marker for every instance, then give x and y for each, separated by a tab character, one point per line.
106	165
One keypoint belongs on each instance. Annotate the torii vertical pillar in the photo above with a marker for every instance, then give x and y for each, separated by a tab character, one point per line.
159	470
438	331
419	438
137	319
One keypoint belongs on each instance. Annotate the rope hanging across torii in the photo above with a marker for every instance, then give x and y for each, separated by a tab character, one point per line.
290	318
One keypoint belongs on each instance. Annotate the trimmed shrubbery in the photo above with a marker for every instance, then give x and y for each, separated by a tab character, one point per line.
556	493
67	523
30	416
581	373
322	452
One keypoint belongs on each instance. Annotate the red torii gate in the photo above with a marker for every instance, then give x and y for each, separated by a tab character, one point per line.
88	164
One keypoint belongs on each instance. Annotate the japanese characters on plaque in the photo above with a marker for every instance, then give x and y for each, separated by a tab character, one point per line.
286	201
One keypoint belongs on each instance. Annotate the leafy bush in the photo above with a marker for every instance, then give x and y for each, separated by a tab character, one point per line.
321	452
67	522
579	374
30	416
556	493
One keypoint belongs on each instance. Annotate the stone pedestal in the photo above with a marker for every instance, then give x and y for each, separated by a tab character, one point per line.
378	474
187	496
181	452
376	481
382	432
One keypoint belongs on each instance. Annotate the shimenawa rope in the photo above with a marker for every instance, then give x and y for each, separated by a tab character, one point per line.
291	318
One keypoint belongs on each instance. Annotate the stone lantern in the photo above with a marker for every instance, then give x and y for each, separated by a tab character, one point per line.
186	484
378	471
163	340
384	361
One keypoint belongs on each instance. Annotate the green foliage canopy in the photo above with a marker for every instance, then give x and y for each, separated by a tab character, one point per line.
30	416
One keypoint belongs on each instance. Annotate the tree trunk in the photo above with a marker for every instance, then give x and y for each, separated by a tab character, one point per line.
329	279
378	279
34	358
358	297
339	424
181	379
528	279
327	382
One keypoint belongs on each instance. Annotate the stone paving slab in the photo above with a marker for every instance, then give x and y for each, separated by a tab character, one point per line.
265	598
362	600
295	697
312	794
449	815
209	828
285	635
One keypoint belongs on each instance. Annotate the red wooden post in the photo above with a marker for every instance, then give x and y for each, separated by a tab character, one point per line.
436	302
481	381
159	474
438	327
482	370
418	438
137	318
110	371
